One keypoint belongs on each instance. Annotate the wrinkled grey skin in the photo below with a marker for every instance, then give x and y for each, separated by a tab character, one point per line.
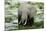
24	10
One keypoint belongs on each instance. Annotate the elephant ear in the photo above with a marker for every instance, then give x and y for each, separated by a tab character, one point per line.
33	10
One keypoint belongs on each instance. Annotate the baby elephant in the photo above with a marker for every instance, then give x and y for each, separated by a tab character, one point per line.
25	14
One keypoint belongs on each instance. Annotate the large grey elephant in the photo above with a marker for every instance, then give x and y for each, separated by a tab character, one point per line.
25	13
